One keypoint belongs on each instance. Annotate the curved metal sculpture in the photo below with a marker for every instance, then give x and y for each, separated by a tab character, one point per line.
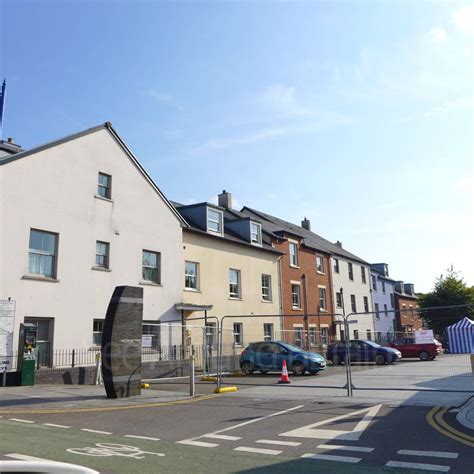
122	343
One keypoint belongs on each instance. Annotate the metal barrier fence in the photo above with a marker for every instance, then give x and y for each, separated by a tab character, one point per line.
357	339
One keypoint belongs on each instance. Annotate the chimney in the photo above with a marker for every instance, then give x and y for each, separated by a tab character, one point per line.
306	224
10	140
225	199
339	244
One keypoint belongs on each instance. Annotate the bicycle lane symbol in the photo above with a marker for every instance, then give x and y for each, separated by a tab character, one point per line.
112	449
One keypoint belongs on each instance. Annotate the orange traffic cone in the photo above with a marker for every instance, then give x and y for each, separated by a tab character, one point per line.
284	374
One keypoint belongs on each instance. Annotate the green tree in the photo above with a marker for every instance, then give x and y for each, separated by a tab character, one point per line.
449	290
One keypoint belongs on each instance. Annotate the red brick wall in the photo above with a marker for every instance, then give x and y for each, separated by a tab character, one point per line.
307	267
407	319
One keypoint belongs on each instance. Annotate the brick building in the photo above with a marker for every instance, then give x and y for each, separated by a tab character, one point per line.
406	304
306	288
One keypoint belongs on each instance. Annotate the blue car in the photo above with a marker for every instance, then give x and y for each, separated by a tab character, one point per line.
269	355
362	351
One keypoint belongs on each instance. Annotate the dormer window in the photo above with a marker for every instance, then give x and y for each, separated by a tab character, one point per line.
214	221
255	233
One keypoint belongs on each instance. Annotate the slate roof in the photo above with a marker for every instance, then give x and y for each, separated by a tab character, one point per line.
228	234
276	227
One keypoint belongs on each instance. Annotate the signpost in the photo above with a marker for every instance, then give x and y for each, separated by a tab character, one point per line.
7	324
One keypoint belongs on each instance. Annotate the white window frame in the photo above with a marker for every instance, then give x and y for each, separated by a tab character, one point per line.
266	288
258	240
42	254
190	276
220	222
293	256
363	275
157	281
238	334
385	309
298	294
313	336
232	294
106	255
383	286
321	307
104	189
350	271
324	336
377	313
320	264
268	337
353	304
338	295
95	333
336	265
366	304
374	282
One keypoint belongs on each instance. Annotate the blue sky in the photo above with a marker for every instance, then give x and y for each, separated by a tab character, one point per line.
357	115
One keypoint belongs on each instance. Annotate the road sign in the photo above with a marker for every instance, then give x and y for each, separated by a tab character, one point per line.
7	324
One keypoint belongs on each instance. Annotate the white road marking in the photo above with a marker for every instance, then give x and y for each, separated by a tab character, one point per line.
21	421
433	454
273	452
308	431
96	431
142	437
24	457
202	444
277	442
219	436
416	465
346	448
329	457
258	419
53	425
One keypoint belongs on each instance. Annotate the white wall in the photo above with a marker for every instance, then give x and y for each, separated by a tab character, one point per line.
357	288
53	190
385	322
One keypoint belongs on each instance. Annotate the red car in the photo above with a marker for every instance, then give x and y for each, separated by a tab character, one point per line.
409	348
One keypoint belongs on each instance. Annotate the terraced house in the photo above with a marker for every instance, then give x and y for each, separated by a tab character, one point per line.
306	287
406	304
230	269
383	299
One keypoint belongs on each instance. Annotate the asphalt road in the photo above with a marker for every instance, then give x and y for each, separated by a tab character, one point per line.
239	434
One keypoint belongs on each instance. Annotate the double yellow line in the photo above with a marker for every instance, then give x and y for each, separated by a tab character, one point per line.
436	420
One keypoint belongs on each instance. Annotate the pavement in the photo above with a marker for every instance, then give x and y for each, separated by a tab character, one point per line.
50	397
466	414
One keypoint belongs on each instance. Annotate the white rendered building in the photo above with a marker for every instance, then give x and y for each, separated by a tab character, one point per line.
80	216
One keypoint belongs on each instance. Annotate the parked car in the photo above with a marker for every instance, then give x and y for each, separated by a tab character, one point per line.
362	351
409	348
269	355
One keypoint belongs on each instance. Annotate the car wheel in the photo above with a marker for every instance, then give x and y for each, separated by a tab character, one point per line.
264	372
424	355
380	359
247	368
297	368
336	360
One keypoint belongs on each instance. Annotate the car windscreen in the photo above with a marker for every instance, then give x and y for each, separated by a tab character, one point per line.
373	344
292	348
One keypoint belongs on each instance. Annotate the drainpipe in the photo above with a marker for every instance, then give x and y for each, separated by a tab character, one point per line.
305	317
280	293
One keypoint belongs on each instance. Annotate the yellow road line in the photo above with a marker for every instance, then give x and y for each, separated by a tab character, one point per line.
101	409
435	420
